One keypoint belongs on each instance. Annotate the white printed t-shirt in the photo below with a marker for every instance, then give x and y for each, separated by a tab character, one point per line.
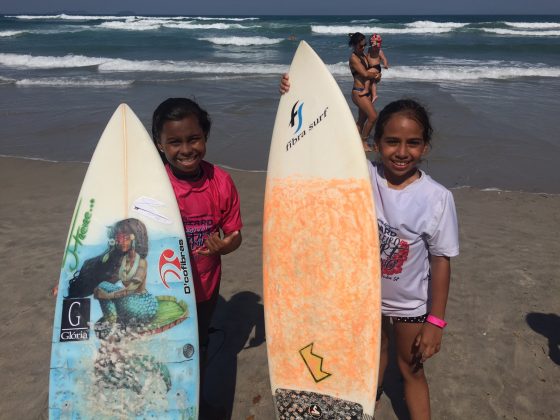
415	222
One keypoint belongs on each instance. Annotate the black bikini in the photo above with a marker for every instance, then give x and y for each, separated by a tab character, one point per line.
354	72
362	58
359	89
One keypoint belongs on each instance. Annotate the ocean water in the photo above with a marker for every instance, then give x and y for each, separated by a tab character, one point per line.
491	84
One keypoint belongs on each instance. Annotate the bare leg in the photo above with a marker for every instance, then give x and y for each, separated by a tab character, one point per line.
384	354
372	88
416	390
368	126
373	91
362	117
365	107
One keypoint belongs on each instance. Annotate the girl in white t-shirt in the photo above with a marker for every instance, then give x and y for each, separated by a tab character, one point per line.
418	234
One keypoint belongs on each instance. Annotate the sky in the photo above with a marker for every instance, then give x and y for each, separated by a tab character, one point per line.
285	7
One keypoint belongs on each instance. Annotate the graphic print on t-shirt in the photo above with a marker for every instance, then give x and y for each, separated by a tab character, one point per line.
197	230
394	251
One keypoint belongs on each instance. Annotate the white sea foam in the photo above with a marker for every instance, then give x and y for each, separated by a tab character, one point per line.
447	61
62	29
456	72
514	32
501	190
10	33
222	26
232	19
120	65
428	24
73	82
48	62
493	189
105	64
345	30
6	81
131	25
243	41
442	69
467	73
64	16
534	25
154	24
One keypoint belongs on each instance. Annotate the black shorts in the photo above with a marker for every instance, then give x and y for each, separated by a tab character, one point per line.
410	319
205	311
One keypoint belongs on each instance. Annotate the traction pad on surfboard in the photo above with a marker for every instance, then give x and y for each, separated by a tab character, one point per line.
303	405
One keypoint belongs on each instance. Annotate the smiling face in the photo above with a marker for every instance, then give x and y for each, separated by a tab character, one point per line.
183	143
401	147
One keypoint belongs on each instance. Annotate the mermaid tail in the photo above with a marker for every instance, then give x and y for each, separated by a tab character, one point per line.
137	308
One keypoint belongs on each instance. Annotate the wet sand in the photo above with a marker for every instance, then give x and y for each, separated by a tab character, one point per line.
501	351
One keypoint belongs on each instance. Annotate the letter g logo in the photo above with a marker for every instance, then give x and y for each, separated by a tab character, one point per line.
77	317
74	320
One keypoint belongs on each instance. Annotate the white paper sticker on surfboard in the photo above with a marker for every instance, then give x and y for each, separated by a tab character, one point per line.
125	340
321	263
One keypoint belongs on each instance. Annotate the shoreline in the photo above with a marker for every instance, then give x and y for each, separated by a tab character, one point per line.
258	171
499	354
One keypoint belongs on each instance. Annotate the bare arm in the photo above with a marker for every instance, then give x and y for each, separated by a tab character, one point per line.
428	342
383	59
284	84
357	65
441	276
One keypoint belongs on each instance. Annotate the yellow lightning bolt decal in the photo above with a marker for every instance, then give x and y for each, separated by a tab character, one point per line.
314	363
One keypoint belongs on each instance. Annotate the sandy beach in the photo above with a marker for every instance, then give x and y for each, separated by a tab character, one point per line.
500	356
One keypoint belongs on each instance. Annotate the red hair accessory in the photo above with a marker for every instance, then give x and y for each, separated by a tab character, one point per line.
375	40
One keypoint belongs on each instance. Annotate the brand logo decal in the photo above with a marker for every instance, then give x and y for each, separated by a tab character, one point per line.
169	265
315	411
299	114
300	132
185	267
74	325
77	235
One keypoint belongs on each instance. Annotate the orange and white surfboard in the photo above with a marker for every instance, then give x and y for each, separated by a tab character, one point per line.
321	263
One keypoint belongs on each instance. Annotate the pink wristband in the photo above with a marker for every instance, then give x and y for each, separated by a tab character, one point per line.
436	321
